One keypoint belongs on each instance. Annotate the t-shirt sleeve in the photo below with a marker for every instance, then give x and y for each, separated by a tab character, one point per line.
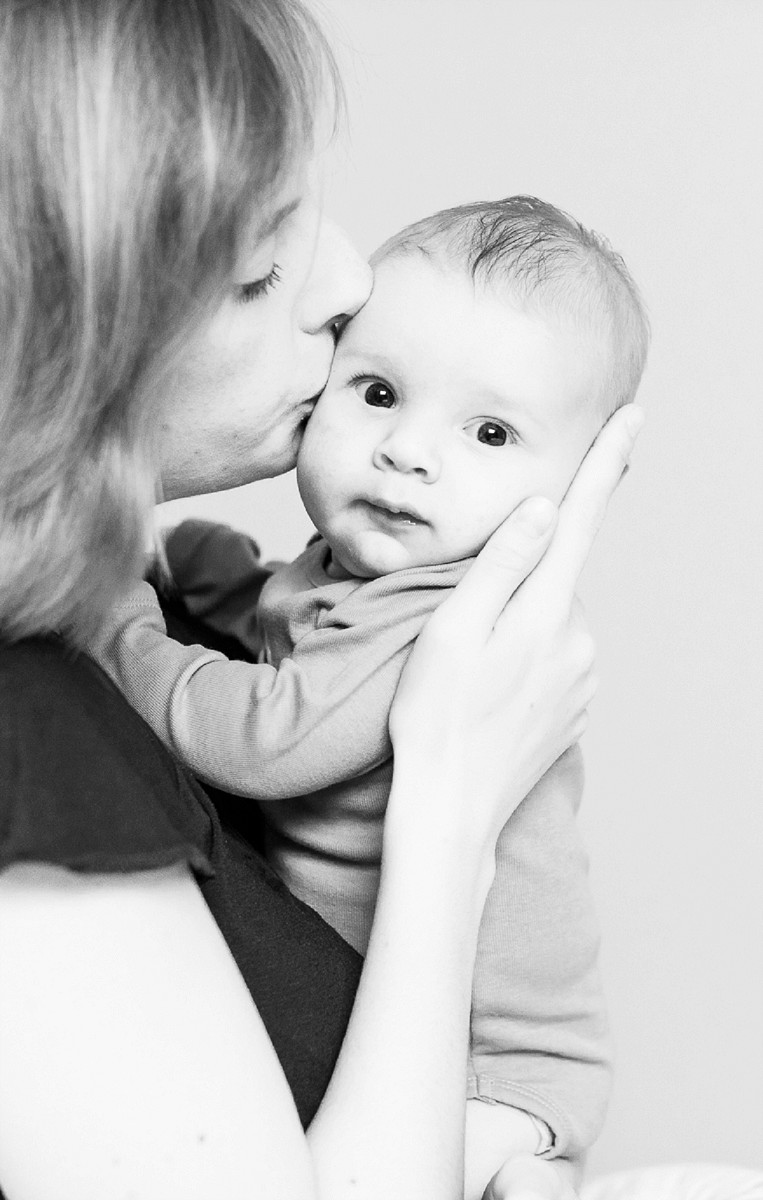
84	783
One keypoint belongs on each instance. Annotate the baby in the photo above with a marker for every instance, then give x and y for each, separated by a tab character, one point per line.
498	339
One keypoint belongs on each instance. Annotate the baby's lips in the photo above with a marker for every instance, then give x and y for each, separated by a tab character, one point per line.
402	510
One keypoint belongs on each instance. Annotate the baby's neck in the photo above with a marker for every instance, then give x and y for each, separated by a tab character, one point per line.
334	568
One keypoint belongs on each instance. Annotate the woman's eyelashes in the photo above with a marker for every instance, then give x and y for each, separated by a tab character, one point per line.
259	287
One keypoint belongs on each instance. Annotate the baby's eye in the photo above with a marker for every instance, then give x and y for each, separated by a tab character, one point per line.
378	395
493	433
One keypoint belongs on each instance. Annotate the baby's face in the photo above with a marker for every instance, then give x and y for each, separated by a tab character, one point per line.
445	407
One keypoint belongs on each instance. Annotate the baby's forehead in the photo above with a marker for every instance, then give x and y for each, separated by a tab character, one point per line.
429	328
413	298
396	273
521	253
392	265
413	284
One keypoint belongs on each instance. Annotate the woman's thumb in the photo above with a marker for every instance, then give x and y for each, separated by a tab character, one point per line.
508	557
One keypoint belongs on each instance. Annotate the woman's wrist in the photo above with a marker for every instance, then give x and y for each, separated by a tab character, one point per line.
430	827
453	795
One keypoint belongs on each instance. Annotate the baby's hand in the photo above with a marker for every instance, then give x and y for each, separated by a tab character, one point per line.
528	1178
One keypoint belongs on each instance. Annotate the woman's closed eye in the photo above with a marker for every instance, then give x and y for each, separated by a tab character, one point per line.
375	392
259	287
492	432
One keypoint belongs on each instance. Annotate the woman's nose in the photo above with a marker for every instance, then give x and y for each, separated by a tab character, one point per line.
340	281
406	451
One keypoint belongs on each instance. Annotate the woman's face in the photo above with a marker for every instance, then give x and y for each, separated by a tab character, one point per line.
239	403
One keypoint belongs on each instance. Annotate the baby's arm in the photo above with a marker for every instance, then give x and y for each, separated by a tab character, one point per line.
539	1028
218	577
251	729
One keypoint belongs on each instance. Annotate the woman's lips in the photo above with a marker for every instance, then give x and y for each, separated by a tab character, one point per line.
306	409
311	401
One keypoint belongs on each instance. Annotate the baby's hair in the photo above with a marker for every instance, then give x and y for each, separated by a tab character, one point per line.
137	140
543	259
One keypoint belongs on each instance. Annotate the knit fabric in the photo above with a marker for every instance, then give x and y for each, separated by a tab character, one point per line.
305	733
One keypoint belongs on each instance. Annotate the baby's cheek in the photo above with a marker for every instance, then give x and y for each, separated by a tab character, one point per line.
478	519
311	480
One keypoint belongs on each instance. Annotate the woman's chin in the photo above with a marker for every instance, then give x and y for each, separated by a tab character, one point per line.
276	464
274	455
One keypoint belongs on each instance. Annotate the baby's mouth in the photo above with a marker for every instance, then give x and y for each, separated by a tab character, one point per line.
392	515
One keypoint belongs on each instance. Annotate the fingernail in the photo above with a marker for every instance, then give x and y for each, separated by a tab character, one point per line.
635	419
536	515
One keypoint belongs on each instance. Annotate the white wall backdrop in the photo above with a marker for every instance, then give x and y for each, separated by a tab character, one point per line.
644	118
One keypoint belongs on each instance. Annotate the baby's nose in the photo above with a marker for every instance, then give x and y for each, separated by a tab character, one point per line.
408	454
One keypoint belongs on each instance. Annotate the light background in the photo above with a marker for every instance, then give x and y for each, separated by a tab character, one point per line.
644	118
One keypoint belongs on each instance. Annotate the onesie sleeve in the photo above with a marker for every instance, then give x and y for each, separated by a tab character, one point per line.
539	1026
320	717
84	784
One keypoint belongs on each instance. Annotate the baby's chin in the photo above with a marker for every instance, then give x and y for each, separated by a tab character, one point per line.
373	553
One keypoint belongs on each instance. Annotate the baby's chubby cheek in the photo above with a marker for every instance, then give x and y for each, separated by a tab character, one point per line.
313	476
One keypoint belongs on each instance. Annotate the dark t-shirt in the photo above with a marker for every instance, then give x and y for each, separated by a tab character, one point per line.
85	784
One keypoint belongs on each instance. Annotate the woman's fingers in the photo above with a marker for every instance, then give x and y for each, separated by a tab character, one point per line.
504	563
584	507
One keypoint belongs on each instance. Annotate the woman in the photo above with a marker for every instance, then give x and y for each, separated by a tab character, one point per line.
169	301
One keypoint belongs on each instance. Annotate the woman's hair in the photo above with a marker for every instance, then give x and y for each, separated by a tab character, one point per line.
135	138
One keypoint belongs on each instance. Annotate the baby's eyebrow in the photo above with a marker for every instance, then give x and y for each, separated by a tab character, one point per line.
373	363
509	405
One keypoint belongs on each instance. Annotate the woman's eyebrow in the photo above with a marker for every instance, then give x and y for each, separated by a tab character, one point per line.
274	220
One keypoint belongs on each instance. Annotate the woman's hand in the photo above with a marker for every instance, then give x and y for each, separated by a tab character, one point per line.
500	679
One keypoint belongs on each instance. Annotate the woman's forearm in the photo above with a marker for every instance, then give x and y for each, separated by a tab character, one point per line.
392	1121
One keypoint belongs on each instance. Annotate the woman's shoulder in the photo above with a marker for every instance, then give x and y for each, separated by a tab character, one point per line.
83	780
62	714
45	676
